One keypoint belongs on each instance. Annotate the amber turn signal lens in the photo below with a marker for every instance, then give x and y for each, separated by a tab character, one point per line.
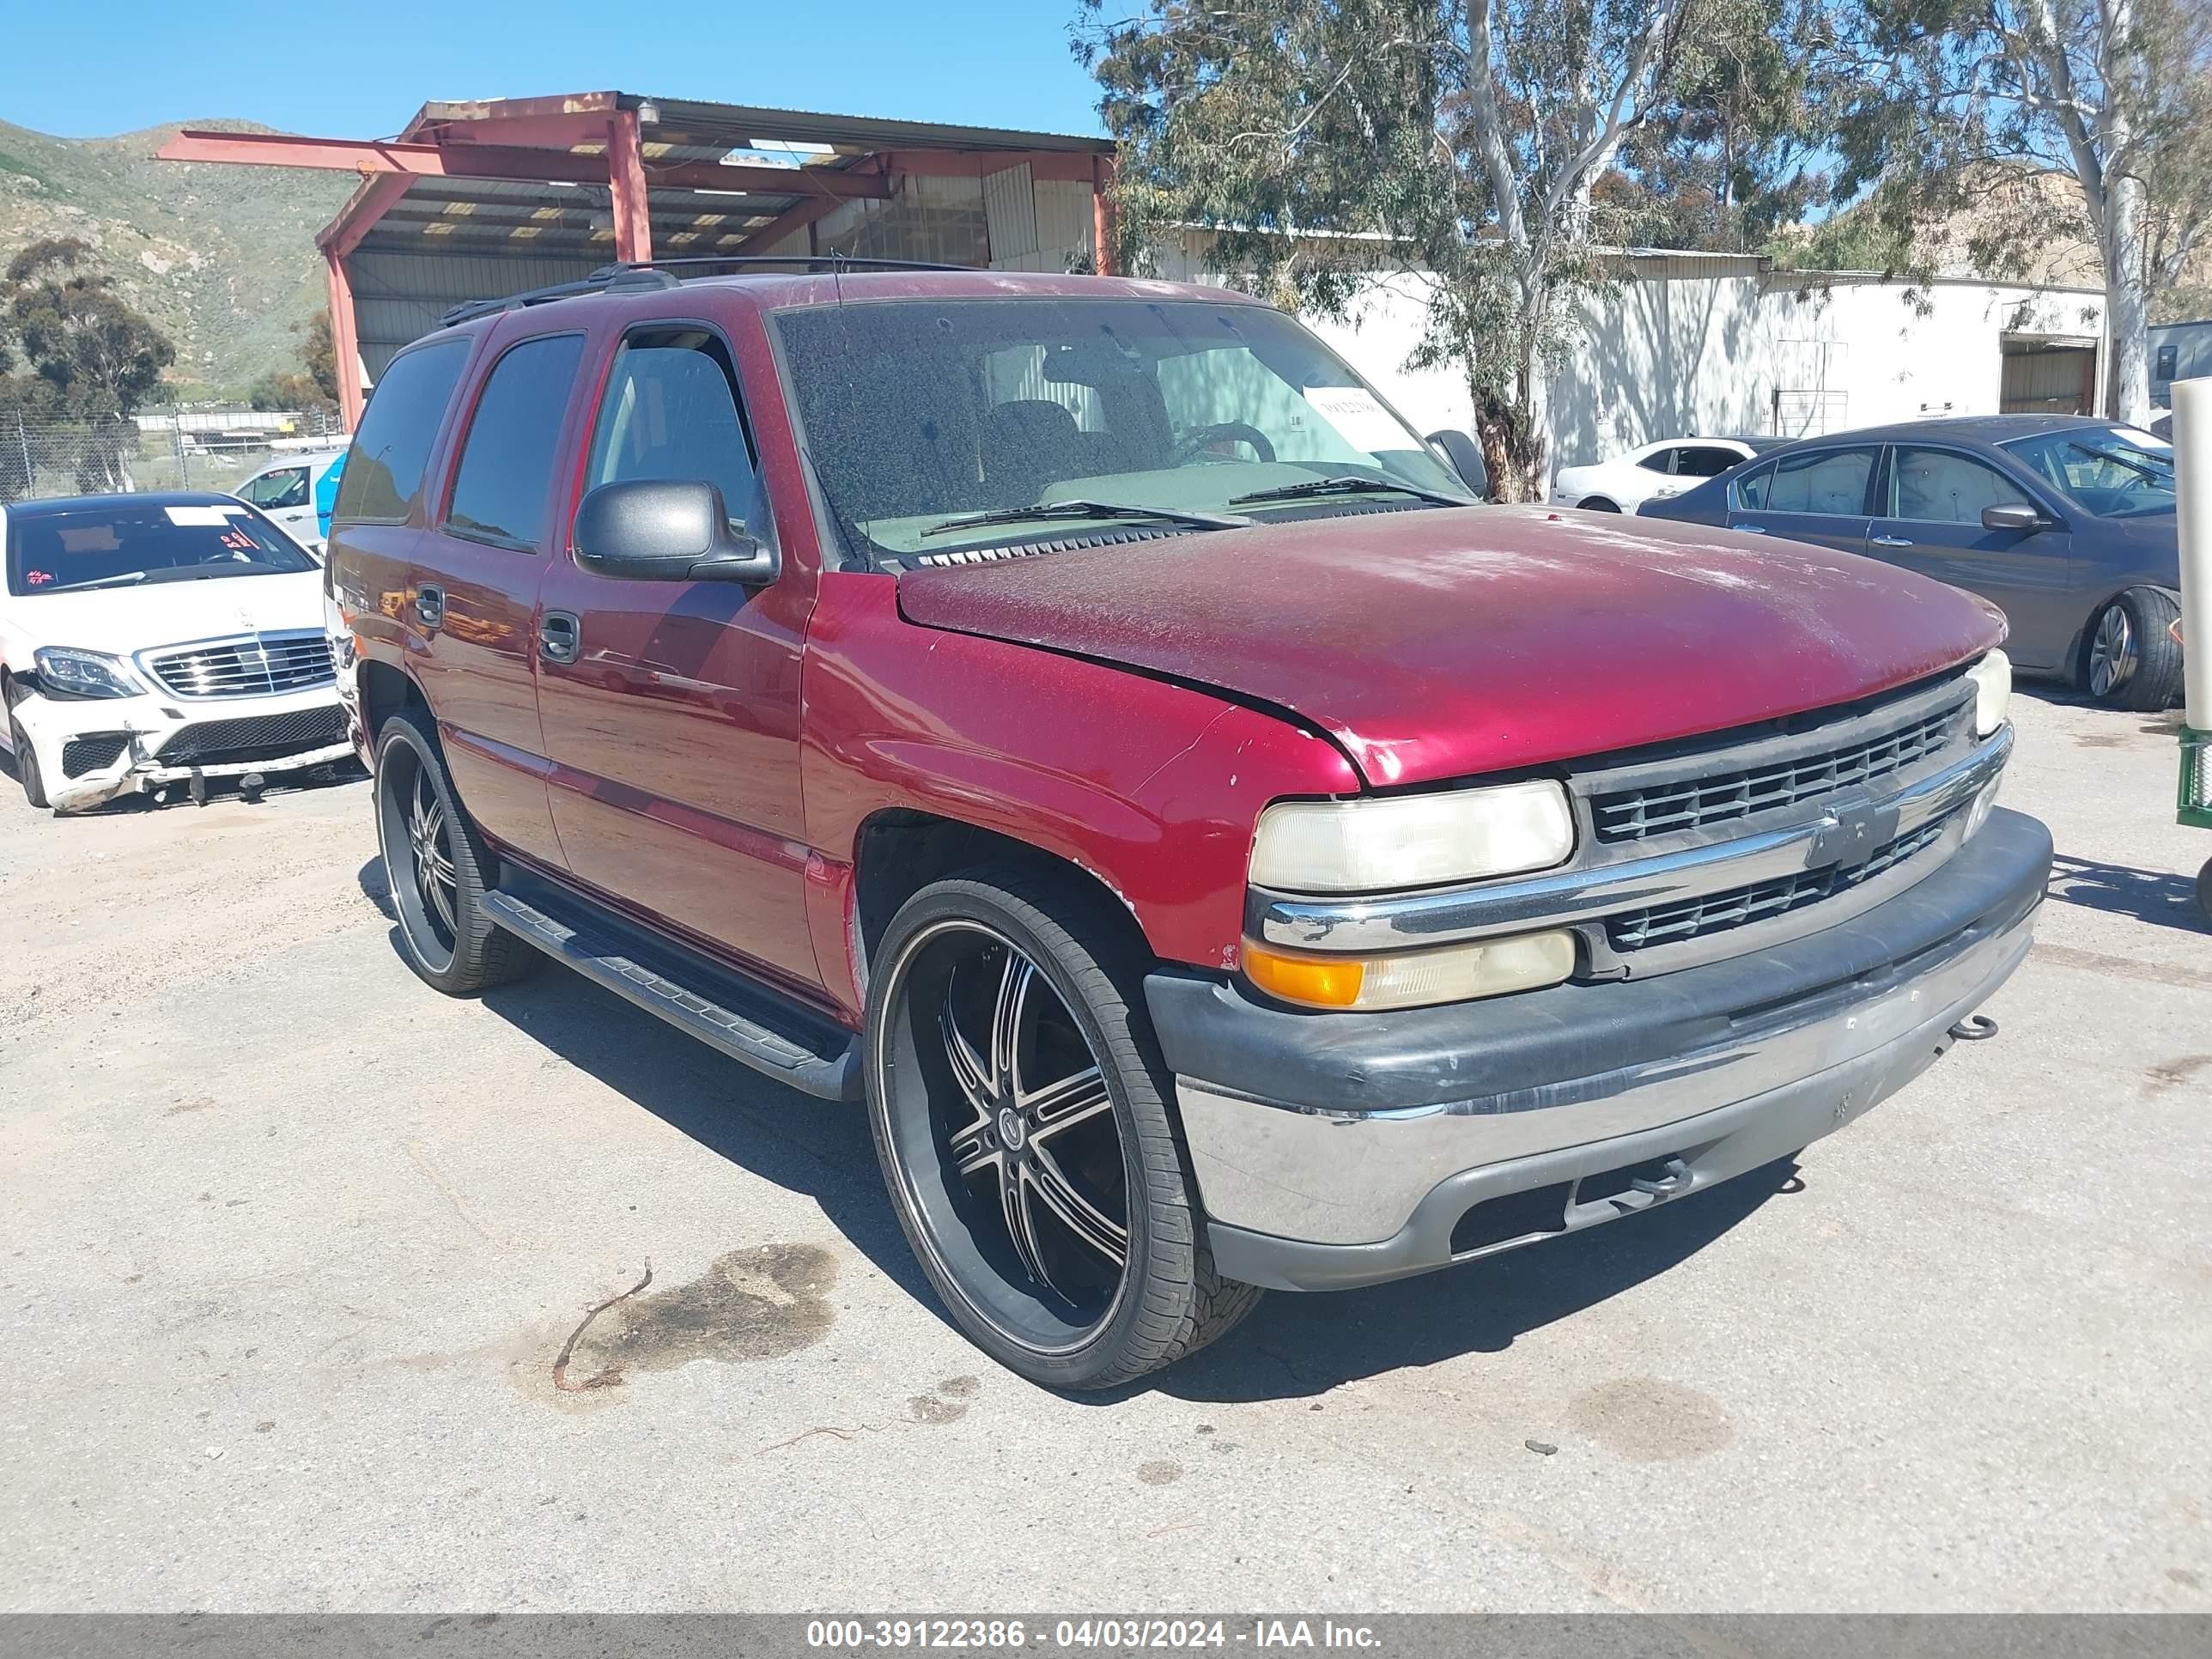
1316	982
1412	979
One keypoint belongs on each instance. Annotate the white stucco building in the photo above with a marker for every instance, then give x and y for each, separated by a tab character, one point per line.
1703	343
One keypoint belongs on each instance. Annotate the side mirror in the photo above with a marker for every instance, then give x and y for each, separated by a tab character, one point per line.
2013	515
668	530
1466	457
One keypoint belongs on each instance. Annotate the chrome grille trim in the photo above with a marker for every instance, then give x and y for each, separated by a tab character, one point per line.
241	665
1726	795
1739	907
1589	893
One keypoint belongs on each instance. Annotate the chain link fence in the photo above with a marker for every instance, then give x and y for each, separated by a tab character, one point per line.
185	447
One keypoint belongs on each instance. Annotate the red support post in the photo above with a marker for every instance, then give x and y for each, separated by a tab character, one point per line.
626	184
345	341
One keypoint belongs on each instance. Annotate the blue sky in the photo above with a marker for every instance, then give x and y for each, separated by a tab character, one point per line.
355	71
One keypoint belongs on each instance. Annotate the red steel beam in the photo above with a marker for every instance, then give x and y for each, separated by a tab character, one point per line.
626	188
345	341
1066	166
765	239
432	160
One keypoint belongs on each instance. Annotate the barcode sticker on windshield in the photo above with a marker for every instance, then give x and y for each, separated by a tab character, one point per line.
198	515
1361	421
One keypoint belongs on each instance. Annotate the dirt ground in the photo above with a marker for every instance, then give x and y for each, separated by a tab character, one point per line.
291	1250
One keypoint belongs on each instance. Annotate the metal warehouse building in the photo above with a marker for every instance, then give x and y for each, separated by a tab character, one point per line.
476	200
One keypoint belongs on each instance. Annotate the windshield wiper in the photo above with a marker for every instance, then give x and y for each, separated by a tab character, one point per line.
108	582
1346	484
1088	510
2156	475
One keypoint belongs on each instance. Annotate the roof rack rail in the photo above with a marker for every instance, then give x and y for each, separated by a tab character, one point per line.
608	279
748	261
651	274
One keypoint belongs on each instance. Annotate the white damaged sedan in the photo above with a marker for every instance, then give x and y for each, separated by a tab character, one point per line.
160	639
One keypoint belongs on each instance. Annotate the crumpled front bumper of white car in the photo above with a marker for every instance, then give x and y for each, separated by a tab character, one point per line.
91	750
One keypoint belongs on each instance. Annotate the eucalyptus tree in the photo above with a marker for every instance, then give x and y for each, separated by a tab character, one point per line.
1950	101
1501	150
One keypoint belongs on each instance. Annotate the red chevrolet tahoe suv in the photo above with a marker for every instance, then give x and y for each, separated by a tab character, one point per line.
1081	718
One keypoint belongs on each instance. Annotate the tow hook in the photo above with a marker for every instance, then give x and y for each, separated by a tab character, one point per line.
1975	1027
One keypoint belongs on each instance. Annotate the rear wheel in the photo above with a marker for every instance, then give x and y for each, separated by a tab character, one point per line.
1600	504
438	868
1019	1113
2131	660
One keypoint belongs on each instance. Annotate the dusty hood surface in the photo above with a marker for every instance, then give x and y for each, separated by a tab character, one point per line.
122	620
1441	643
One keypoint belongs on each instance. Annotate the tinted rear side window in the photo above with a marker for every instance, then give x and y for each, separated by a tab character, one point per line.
507	462
384	473
1829	481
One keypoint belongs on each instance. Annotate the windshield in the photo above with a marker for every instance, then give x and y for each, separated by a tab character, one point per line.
1164	414
2112	471
54	551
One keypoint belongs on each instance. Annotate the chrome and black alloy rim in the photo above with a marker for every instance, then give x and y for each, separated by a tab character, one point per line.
2111	653
417	836
1005	1134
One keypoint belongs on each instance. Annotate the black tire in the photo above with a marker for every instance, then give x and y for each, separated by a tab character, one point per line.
1010	1295
447	936
1600	504
2129	657
2204	889
25	756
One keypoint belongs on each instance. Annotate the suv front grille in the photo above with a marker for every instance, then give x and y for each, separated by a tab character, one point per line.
255	666
256	738
1717	797
1670	924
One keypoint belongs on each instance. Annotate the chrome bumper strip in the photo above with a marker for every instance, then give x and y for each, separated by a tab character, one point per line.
1353	1177
1847	828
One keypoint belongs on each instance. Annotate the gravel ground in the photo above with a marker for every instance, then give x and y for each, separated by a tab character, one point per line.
291	1248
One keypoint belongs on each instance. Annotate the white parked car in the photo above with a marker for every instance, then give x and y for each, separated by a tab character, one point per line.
292	491
158	639
1667	468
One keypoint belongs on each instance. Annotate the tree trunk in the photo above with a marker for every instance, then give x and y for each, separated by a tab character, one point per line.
2127	299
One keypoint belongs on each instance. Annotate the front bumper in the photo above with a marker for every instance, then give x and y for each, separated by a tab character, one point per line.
139	744
1334	1150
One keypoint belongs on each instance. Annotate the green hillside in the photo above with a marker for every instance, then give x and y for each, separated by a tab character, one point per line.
222	257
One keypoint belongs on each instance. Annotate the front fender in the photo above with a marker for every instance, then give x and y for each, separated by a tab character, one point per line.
1151	786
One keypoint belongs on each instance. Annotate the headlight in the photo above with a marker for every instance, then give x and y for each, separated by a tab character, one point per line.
84	674
1412	979
1381	845
1992	678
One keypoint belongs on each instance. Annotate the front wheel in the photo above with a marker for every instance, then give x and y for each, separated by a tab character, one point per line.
1019	1113
26	763
2133	661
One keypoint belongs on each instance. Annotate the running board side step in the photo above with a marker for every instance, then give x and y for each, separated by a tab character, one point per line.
810	1053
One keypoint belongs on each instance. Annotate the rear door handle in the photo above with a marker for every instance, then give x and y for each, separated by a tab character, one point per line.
1887	541
560	636
430	603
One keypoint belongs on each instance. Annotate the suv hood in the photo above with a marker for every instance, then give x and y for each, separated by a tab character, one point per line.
122	620
1448	642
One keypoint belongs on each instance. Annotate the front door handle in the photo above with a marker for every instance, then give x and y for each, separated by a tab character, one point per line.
1750	529
1887	541
430	605
560	636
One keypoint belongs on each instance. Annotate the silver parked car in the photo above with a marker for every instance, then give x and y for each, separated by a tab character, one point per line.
2065	522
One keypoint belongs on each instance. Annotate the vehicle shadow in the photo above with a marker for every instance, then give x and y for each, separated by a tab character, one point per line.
1299	1346
1293	1347
816	1148
2163	900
